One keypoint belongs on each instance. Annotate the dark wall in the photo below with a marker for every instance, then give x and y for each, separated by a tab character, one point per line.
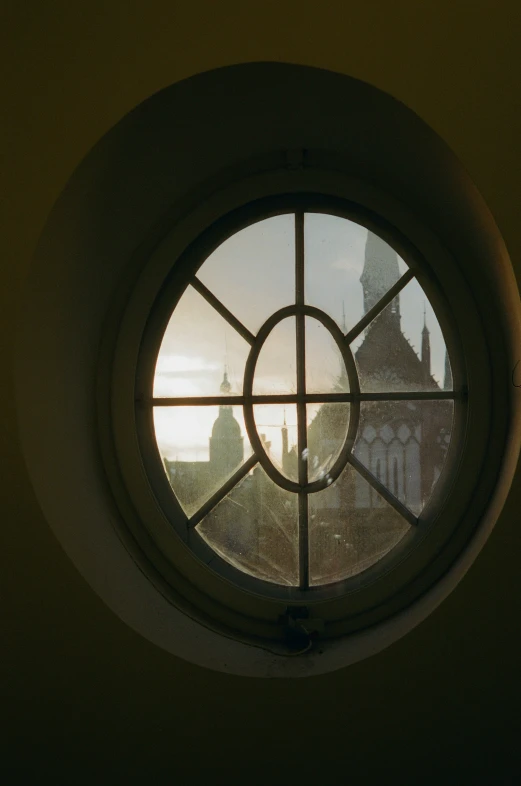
86	700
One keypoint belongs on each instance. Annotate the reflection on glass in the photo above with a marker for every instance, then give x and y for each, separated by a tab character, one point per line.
255	528
197	346
253	272
404	445
277	428
327	431
276	370
347	534
201	447
403	347
325	367
347	268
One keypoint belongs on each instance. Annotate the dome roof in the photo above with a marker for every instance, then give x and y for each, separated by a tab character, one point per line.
226	427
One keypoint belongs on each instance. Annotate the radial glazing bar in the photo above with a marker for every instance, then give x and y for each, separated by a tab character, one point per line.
222	310
378	307
301	401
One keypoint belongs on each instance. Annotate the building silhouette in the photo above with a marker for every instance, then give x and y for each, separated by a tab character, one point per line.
402	443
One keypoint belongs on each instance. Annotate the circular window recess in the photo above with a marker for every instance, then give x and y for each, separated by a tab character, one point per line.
293	457
284	435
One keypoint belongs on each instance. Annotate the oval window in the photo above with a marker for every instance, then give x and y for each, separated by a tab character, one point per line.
302	402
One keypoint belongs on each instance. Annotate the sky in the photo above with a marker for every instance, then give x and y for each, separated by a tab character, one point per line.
252	273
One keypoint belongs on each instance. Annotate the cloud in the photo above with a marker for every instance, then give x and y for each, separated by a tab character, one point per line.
347	264
181	364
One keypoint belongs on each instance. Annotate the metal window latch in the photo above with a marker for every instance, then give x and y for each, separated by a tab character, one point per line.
300	630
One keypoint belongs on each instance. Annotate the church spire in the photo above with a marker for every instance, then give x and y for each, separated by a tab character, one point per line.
380	272
284	432
225	384
225	389
426	347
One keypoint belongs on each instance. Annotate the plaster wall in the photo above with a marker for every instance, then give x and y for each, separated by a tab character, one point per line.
86	698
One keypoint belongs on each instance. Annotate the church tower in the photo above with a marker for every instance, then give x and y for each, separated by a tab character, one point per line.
226	442
289	456
379	274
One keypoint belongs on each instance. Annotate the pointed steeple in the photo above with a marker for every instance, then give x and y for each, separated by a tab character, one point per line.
380	272
225	384
284	432
426	347
225	389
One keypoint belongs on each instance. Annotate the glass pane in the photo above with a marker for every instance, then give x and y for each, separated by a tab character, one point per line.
348	532
253	272
255	528
201	447
403	348
404	444
276	370
197	348
277	428
325	367
347	268
327	431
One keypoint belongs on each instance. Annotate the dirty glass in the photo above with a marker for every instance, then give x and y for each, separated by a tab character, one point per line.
277	428
404	444
341	257
403	348
325	367
198	344
276	370
327	432
400	445
255	529
347	533
201	447
252	273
